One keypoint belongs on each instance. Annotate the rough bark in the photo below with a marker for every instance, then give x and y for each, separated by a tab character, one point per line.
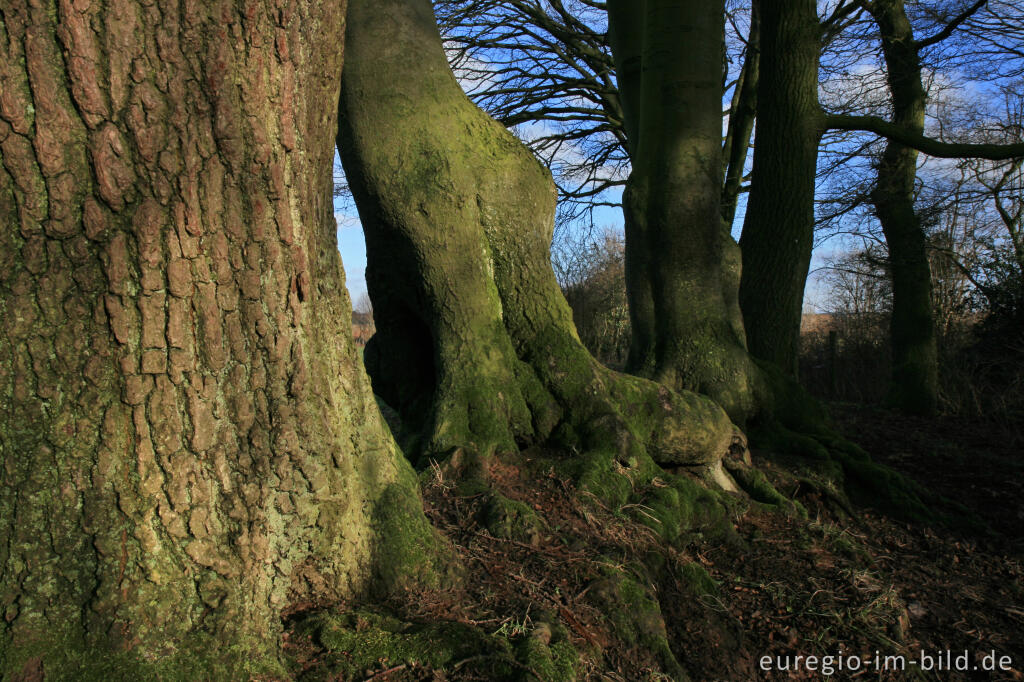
188	443
914	386
475	343
779	225
682	266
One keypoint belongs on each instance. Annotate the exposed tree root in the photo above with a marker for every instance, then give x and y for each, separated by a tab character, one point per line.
475	347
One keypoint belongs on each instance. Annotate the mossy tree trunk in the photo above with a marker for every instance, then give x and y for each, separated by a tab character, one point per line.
778	229
915	382
188	441
475	344
682	267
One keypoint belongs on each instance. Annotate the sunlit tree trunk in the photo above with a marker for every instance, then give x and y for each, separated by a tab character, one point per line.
188	442
475	344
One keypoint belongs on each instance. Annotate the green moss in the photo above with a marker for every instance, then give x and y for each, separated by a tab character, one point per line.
673	506
676	428
512	520
201	656
468	487
479	403
697	579
548	653
884	488
409	553
753	482
676	507
600	474
832	463
796	428
364	640
635	617
773	436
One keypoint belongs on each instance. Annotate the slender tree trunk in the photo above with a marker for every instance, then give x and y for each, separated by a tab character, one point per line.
779	227
188	443
677	249
741	119
458	218
626	33
915	382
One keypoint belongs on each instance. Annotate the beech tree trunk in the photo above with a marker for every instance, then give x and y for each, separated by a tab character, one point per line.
682	267
915	382
475	344
778	230
188	442
626	35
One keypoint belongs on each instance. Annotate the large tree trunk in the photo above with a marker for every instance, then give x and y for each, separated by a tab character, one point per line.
682	266
914	386
778	230
188	442
475	344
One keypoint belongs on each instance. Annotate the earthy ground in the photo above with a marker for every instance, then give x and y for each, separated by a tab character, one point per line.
824	585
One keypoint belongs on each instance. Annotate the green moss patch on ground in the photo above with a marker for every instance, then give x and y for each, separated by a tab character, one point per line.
373	643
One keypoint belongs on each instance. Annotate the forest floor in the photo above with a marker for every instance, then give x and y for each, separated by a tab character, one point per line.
871	597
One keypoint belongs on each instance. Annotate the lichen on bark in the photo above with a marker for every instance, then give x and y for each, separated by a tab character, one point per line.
188	442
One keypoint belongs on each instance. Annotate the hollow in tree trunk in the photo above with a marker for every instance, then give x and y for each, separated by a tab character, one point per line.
475	345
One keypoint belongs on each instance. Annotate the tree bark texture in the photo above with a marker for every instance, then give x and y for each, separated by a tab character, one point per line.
915	376
475	344
682	267
188	442
778	229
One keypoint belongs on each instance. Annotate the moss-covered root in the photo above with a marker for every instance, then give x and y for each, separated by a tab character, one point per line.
844	470
635	616
511	520
754	483
366	642
409	553
795	426
547	654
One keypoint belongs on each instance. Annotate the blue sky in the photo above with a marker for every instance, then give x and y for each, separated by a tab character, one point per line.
352	246
353	255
